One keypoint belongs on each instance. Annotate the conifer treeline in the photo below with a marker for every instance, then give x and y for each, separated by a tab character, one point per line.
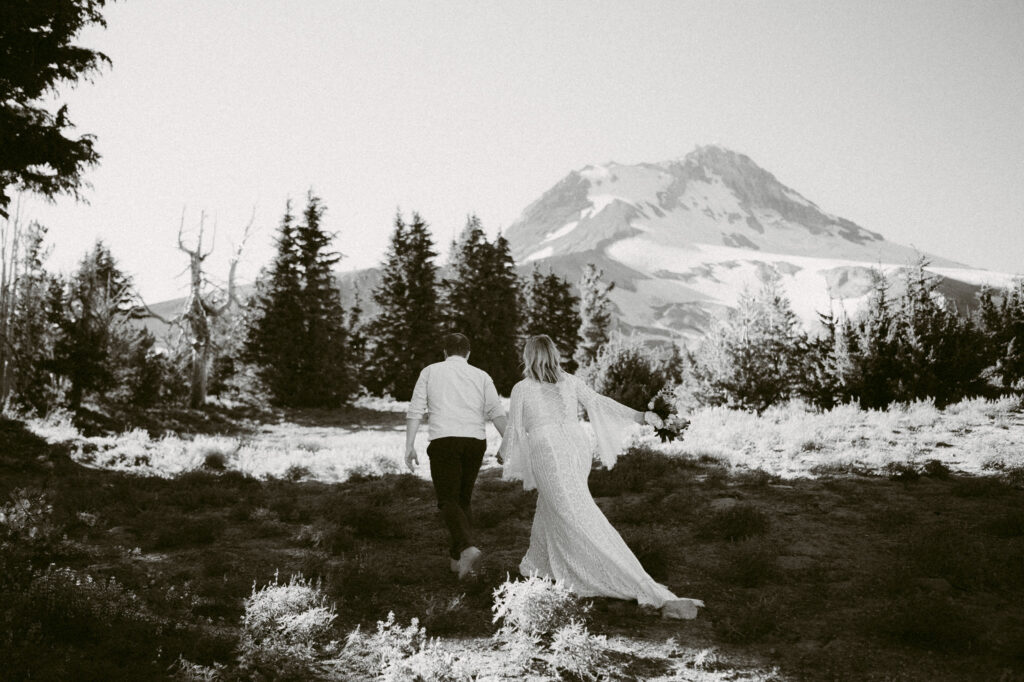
67	338
899	348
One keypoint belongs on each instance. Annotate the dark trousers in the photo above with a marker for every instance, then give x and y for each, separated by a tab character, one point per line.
454	464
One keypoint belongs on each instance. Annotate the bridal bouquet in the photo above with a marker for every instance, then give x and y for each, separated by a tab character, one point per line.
663	406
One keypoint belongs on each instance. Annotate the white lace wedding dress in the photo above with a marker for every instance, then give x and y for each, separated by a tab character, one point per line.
546	447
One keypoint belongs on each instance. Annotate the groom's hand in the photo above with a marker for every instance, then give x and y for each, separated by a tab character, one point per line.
411	460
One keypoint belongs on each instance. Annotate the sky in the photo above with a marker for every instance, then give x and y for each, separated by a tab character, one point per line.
904	116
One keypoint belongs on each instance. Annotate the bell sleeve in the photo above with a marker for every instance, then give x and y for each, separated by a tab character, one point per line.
612	421
514	449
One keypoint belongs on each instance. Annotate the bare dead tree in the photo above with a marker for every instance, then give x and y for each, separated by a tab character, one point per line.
205	303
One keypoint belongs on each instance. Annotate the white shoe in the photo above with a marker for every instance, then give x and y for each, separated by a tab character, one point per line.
454	565
468	560
681	609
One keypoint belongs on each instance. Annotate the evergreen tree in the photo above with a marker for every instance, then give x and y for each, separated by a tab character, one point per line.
39	53
871	340
1002	328
403	337
93	331
275	318
752	359
325	376
483	300
297	333
595	315
939	354
551	308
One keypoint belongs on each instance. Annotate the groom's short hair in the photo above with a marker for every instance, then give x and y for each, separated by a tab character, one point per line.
455	344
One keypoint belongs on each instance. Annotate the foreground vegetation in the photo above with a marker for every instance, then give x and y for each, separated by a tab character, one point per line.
897	567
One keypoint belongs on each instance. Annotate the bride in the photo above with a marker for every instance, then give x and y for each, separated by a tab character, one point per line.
546	448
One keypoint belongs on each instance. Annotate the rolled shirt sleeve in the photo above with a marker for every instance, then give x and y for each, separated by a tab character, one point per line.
492	404
418	403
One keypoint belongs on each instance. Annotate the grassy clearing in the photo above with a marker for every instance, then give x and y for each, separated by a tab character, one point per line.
850	570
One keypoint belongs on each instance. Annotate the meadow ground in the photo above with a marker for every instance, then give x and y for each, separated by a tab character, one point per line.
848	545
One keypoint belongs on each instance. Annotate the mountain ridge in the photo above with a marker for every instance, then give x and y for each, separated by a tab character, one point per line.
682	238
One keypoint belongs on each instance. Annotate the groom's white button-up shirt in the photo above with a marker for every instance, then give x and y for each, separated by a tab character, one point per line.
459	398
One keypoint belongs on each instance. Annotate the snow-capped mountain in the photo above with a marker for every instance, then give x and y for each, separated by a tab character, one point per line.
681	239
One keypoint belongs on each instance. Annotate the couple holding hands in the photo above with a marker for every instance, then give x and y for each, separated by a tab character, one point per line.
545	446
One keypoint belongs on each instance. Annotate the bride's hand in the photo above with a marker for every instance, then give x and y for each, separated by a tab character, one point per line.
654	420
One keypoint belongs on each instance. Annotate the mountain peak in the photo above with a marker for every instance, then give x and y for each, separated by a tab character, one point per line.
690	230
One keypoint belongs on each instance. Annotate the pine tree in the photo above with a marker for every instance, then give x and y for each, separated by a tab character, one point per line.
753	359
871	342
93	324
503	318
551	308
325	376
483	300
403	338
297	333
275	318
595	315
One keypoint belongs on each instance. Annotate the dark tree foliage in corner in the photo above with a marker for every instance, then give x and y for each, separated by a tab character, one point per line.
403	337
553	309
39	54
483	300
595	315
92	314
297	333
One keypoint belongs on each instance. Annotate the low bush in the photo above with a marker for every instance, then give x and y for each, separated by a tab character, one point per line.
578	653
635	471
535	607
286	631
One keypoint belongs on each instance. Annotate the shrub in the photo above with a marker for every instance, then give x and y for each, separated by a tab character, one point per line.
633	373
634	471
215	460
28	518
735	523
286	631
405	653
535	607
297	472
577	652
901	471
936	469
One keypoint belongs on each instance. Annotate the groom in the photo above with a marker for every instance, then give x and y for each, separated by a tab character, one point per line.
460	399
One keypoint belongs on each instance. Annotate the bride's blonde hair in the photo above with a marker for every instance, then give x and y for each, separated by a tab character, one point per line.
541	359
